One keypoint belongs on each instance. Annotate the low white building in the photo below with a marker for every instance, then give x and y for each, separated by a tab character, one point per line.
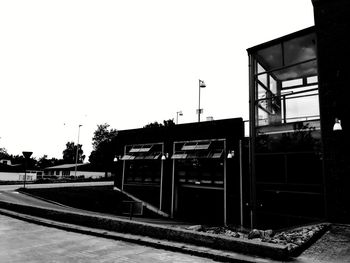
9	172
83	170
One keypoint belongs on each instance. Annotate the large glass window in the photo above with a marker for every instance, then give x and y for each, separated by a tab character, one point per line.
285	81
199	162
142	163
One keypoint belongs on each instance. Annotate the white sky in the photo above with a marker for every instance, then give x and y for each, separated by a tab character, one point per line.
127	63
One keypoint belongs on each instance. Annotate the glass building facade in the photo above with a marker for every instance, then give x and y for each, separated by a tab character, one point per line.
286	173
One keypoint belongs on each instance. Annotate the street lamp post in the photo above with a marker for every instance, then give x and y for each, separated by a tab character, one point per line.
178	113
26	158
76	155
199	111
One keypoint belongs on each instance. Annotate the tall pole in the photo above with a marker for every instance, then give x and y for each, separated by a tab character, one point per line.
76	155
177	116
26	158
199	101
201	84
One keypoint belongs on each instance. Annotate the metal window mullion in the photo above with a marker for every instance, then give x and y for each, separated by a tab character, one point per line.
161	180
225	186
123	176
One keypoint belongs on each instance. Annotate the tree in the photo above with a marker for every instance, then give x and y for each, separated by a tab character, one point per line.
44	162
103	154
4	154
103	134
166	123
69	154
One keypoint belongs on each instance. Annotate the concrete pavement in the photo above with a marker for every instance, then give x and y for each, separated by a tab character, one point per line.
333	247
25	242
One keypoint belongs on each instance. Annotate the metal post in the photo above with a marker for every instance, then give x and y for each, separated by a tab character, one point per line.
177	116
123	175
173	187
241	180
76	156
26	158
199	101
161	180
252	120
225	185
201	84
25	173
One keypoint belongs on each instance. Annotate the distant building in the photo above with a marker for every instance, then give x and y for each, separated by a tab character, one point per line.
84	170
9	172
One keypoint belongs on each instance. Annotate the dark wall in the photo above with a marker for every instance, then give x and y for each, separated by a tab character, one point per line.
332	28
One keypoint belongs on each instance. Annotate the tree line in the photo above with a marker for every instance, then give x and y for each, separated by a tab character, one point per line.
101	157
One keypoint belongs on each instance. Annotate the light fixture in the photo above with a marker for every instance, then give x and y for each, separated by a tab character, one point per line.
230	154
337	125
116	158
165	156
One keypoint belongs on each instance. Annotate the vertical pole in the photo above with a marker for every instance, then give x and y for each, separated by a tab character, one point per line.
161	180
123	175
252	120
25	173
199	101
225	185
76	155
241	180
173	187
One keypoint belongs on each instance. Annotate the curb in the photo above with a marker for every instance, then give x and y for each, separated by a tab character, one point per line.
218	255
170	238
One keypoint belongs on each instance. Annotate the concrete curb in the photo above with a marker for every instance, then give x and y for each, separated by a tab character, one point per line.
163	235
218	255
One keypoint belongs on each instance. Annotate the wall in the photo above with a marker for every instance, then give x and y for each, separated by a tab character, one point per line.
332	28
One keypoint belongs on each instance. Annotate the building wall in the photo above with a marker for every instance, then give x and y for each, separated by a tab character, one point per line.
86	174
332	28
15	176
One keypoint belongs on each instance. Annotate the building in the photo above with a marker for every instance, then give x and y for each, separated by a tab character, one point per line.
298	102
188	171
9	172
297	170
67	171
286	149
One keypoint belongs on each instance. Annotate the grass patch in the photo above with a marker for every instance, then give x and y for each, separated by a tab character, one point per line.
93	198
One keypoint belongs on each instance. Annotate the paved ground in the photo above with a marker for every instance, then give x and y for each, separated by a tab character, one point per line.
20	241
334	246
25	242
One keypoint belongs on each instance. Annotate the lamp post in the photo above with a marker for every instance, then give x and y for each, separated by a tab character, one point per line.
26	158
76	155
199	110
178	113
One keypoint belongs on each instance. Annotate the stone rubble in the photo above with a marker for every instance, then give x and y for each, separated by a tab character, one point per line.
291	238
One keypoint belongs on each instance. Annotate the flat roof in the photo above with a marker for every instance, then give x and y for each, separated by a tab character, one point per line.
275	41
65	166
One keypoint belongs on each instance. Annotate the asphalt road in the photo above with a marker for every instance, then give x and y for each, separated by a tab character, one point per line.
25	242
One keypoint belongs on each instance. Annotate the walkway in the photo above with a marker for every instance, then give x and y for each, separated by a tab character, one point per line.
25	242
332	247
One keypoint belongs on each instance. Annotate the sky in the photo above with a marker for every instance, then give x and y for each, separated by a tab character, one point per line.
127	63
